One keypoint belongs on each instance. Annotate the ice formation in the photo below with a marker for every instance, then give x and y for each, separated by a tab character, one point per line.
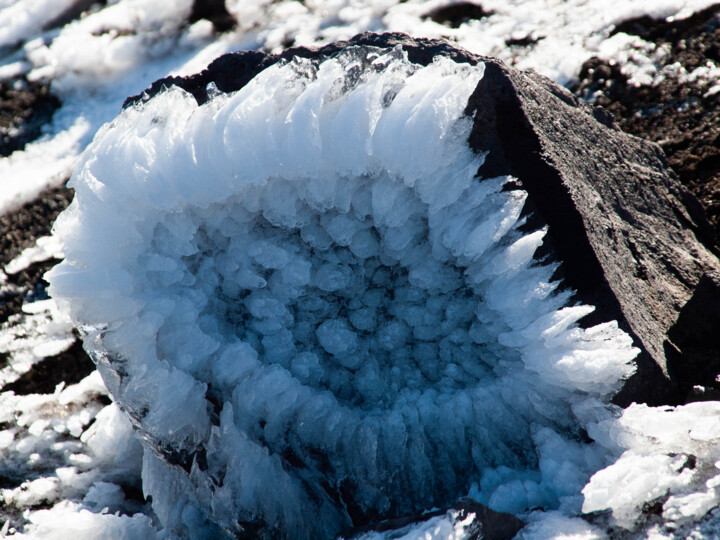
317	315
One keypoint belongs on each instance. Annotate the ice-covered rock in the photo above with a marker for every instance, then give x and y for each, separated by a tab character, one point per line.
635	243
325	285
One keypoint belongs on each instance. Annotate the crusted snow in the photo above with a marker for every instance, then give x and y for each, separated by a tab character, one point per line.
67	446
667	453
45	247
41	330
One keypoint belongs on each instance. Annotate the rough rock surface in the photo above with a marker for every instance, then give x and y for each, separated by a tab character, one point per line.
634	241
681	113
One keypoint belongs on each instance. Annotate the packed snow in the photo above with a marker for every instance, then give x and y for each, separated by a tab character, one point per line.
220	274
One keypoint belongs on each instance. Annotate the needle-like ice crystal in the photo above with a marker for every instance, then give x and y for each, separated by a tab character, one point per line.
315	312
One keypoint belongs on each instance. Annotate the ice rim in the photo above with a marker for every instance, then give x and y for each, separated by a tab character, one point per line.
317	315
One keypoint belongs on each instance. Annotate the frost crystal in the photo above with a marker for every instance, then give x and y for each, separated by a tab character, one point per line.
316	313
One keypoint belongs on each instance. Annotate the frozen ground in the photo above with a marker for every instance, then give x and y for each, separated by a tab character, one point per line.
78	458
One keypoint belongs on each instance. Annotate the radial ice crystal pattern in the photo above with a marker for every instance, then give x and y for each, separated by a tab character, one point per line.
314	311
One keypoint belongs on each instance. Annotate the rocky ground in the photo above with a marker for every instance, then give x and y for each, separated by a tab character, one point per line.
680	110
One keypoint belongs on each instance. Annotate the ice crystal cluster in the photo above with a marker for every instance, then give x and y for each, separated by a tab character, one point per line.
315	312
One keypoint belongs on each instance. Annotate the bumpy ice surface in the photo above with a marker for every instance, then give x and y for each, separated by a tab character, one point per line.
317	314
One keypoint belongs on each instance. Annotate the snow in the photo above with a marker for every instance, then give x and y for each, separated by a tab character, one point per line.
447	527
555	526
77	522
50	444
667	451
94	63
19	20
359	204
46	247
41	330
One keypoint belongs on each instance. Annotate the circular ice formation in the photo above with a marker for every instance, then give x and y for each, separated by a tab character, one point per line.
313	310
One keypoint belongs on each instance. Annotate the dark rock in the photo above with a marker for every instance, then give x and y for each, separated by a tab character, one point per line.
25	107
233	71
215	12
454	15
693	346
684	119
27	285
634	242
525	41
617	215
19	230
230	72
652	29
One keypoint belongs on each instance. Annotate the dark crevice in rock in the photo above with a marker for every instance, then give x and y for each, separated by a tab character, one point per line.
70	366
25	107
73	12
694	340
359	516
132	492
453	15
213	11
